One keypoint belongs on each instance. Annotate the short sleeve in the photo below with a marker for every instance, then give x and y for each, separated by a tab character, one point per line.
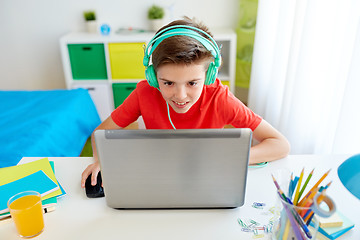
239	115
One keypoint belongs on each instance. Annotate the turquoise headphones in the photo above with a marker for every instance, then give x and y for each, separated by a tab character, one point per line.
182	30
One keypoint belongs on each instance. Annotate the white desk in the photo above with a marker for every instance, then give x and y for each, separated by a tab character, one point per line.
78	217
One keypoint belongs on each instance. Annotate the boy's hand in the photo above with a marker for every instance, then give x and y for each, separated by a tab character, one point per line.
91	169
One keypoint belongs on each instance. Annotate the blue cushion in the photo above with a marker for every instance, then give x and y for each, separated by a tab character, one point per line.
54	123
349	174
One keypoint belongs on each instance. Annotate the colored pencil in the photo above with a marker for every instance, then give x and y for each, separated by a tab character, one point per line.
310	197
279	189
290	184
306	183
323	193
309	212
294	186
321	197
309	220
307	205
328	185
299	219
286	231
296	229
310	202
298	187
293	212
315	186
319	200
275	182
306	219
282	195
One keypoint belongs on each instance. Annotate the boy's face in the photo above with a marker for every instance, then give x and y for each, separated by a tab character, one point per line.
181	85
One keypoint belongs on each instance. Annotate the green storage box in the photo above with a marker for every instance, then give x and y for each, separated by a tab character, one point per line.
121	92
87	61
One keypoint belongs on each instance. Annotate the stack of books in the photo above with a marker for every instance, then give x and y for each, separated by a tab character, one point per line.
36	176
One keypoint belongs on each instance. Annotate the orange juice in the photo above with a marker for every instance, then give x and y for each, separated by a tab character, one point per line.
27	214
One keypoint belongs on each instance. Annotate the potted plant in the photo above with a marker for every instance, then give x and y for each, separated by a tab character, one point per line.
155	16
91	23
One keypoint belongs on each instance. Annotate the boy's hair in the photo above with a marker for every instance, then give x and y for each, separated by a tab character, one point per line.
182	49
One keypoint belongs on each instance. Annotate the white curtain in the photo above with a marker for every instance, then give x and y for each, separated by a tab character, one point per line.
305	77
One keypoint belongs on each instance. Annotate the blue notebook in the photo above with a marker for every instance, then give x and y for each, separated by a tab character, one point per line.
61	188
37	181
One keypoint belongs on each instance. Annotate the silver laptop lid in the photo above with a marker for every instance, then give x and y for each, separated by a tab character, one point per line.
195	168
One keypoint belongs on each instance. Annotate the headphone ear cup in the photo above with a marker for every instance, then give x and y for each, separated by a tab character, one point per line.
211	74
151	76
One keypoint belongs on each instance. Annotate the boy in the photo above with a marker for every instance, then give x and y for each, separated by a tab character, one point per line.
182	73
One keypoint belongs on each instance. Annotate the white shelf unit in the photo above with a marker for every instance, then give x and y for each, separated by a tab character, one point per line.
103	89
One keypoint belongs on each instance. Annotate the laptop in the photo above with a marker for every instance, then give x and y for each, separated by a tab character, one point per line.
187	168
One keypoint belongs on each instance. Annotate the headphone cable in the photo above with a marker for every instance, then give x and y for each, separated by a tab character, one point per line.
168	111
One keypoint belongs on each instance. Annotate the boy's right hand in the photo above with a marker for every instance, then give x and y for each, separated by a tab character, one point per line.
92	169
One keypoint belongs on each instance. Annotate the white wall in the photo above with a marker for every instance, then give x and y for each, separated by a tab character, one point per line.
30	31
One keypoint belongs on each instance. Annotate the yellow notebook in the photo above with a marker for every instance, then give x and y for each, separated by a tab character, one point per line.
333	221
10	174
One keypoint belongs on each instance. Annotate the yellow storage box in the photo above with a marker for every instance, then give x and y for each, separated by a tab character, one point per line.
126	60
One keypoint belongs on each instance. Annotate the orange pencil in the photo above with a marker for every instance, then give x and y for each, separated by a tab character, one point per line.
320	198
323	193
310	201
303	202
315	186
308	216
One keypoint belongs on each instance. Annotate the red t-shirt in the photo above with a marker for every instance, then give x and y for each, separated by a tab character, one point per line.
216	107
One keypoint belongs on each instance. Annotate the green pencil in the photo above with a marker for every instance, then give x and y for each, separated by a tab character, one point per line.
306	182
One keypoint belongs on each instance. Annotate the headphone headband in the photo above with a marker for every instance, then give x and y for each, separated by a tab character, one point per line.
183	30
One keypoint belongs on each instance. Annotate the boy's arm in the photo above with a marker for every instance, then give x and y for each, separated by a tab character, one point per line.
272	144
94	168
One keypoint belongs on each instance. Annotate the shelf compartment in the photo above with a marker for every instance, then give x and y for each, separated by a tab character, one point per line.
87	61
121	92
126	60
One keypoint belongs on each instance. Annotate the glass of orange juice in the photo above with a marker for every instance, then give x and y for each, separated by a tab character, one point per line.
26	211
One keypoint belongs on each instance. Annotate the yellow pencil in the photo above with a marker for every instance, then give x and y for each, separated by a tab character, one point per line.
298	187
287	229
315	186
